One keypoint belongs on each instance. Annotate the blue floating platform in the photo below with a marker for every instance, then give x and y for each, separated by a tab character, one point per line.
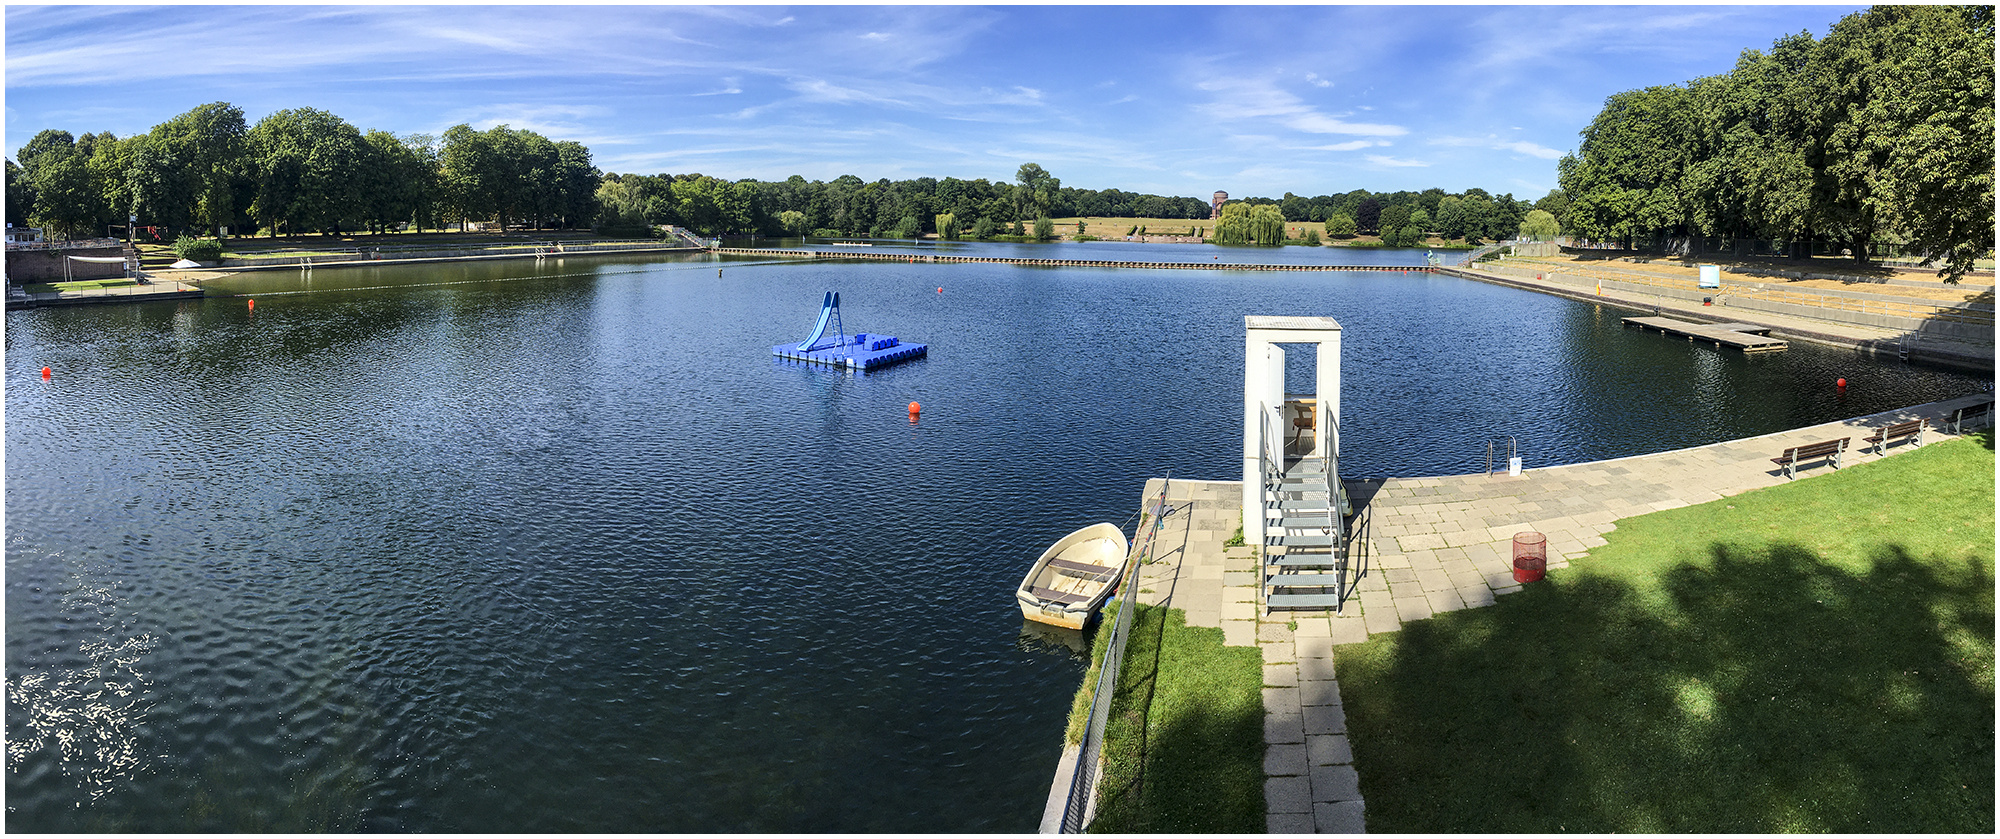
863	351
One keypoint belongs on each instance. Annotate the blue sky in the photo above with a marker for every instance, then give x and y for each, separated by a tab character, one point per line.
1173	100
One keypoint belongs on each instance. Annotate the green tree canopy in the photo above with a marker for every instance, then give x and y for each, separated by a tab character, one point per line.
1340	226
1540	226
1881	130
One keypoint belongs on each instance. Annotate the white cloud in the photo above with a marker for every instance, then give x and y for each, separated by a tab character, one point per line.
1385	160
1350	145
1255	98
1494	142
1317	81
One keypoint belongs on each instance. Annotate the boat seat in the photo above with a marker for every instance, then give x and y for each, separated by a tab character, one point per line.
1083	569
1058	596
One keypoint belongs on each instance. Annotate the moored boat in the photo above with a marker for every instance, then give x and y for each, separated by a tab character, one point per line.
1071	580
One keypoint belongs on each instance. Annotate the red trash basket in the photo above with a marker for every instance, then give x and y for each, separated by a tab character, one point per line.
1531	556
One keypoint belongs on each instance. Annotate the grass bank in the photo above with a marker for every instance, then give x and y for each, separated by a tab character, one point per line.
1811	657
1184	746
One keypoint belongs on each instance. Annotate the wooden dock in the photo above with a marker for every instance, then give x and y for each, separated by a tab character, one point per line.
1748	337
1065	263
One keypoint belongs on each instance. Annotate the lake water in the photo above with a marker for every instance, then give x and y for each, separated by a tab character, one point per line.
559	546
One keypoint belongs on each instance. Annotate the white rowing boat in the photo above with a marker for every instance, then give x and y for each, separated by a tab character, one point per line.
1071	580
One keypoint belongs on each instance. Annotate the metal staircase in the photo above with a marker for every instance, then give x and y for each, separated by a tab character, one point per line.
1305	561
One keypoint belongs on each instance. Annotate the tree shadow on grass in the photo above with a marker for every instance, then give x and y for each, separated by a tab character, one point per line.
1756	692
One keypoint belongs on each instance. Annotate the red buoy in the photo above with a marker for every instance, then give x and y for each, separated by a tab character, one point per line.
914	410
253	305
940	289
46	373
1841	382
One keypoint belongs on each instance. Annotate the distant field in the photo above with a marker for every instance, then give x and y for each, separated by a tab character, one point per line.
1117	228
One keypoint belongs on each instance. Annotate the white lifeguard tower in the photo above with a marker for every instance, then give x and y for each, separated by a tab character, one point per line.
1293	505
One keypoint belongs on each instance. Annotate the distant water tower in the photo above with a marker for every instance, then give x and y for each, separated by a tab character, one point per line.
1215	207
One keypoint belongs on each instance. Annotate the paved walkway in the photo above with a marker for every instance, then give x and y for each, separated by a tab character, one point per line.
1429	545
1979	354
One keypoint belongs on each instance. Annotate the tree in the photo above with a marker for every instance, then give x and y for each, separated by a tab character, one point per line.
1420	221
1368	214
1393	219
792	222
1340	226
1908	138
1451	217
20	196
1037	191
309	166
1540	226
58	183
1045	229
188	169
1233	228
983	229
1267	225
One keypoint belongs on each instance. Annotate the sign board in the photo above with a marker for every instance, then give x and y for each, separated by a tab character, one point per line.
1711	276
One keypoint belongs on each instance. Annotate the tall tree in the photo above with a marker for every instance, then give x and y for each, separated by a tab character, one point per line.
1368	214
310	167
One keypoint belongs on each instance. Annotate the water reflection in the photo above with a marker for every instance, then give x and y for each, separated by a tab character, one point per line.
1071	643
86	713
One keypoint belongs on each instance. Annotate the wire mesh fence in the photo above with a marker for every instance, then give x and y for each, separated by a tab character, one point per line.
1083	781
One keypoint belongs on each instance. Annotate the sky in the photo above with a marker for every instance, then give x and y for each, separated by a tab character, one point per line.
1169	100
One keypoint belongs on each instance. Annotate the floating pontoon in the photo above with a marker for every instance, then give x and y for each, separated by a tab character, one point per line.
864	351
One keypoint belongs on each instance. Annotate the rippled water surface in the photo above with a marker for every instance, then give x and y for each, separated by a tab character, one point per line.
558	546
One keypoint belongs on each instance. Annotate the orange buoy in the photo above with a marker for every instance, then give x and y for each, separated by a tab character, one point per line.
46	374
915	409
253	305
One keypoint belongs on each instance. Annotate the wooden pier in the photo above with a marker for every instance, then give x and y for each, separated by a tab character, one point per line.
1065	263
1748	337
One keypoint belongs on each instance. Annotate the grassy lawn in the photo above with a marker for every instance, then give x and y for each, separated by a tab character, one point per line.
1184	748
1117	228
76	285
1811	657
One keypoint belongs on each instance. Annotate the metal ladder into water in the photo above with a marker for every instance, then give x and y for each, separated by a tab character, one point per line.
1305	557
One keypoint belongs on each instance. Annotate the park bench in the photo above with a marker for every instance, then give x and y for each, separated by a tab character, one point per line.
1983	410
1830	450
1880	439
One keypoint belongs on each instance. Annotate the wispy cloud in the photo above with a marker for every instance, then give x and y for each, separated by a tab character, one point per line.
1351	145
1494	142
1260	99
1385	160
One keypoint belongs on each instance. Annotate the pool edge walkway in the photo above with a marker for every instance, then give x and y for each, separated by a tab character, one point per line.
1433	545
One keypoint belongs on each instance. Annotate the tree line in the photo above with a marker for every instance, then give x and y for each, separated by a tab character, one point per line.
951	207
1880	132
295	171
306	170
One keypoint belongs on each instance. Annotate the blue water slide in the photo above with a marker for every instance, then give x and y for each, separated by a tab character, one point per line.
828	310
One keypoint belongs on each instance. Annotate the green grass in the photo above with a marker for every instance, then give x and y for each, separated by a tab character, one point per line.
1184	748
76	285
1810	657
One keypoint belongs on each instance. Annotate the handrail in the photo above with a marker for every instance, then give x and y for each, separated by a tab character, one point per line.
1083	779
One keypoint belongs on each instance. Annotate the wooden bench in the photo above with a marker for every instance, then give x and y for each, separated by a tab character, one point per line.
1970	412
1084	569
1054	596
1882	436
1830	450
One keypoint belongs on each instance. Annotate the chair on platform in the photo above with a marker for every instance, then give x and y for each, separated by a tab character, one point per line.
1303	420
